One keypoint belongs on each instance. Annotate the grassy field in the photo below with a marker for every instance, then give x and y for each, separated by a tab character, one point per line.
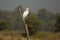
5	35
46	36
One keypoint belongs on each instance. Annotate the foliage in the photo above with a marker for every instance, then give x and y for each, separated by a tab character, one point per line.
18	23
34	23
42	20
13	18
48	18
57	24
44	36
2	25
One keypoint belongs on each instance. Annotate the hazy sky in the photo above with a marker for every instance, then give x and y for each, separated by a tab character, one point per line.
51	5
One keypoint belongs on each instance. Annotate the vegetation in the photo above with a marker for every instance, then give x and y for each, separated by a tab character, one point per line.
43	20
57	24
34	23
7	35
46	36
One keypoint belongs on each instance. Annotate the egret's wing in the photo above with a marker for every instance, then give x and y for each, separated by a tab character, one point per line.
24	14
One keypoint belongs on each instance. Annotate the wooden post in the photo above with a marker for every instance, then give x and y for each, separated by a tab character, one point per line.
26	27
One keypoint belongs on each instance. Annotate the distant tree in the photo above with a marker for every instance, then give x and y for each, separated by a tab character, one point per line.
48	18
57	24
8	17
2	25
34	23
18	23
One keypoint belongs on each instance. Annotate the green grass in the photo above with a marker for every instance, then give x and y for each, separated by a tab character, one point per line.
10	35
16	35
46	36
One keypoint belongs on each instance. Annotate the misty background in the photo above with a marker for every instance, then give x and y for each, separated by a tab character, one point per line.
43	20
44	15
51	5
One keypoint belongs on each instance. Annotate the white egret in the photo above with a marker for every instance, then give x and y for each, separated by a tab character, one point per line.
25	13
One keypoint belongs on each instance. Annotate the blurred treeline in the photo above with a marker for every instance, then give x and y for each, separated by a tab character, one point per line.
43	20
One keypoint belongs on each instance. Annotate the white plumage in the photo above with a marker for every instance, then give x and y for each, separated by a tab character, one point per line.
25	13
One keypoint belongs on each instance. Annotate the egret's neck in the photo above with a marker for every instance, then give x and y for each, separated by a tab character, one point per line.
26	9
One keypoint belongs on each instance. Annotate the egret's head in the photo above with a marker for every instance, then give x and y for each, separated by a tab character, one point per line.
27	8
